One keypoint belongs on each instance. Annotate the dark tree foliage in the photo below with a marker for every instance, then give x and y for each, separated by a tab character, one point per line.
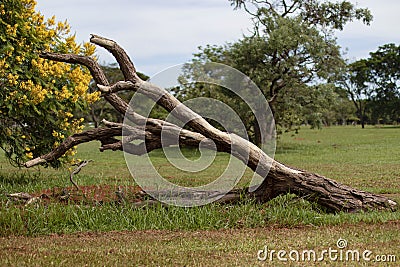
292	50
373	85
384	78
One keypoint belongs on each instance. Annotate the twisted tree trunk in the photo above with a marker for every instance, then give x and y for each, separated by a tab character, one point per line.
278	178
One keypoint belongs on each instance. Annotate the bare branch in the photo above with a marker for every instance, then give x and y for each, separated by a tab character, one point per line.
125	63
275	174
95	69
172	135
80	165
173	105
118	87
97	73
74	140
90	63
278	178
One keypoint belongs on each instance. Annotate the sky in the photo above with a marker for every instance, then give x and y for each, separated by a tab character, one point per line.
158	34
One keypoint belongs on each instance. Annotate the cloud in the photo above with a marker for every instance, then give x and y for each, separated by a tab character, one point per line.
362	39
158	33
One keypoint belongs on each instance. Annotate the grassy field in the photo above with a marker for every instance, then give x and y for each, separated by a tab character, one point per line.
211	235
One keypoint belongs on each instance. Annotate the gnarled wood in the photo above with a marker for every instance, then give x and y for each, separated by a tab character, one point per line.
278	178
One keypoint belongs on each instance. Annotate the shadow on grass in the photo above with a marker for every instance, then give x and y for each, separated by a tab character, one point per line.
284	148
387	127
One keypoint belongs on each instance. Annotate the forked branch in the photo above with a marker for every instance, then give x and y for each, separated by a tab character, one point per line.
277	178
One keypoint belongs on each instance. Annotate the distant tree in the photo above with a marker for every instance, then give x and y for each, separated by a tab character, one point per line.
292	49
38	98
355	80
343	111
384	77
323	14
324	105
373	85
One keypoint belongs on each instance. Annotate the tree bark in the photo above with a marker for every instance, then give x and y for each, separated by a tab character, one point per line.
278	178
258	140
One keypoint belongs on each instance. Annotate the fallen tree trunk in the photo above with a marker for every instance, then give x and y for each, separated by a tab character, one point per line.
277	178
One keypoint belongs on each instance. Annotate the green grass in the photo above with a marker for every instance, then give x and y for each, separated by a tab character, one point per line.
364	159
285	211
367	159
212	235
232	247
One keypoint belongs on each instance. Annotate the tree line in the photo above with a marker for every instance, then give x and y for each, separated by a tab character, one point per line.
293	56
372	84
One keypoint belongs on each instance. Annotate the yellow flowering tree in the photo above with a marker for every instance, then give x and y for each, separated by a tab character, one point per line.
38	97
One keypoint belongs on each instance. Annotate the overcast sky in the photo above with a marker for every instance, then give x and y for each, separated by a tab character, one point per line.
158	34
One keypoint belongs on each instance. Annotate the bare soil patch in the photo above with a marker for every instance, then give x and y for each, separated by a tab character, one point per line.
89	194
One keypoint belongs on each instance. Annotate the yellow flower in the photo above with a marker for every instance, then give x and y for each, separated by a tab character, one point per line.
89	49
51	21
29	155
18	59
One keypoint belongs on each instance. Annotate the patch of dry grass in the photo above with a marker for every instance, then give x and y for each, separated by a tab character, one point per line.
233	247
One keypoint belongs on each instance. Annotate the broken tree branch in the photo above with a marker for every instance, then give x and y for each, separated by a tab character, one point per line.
74	140
125	63
278	178
79	165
